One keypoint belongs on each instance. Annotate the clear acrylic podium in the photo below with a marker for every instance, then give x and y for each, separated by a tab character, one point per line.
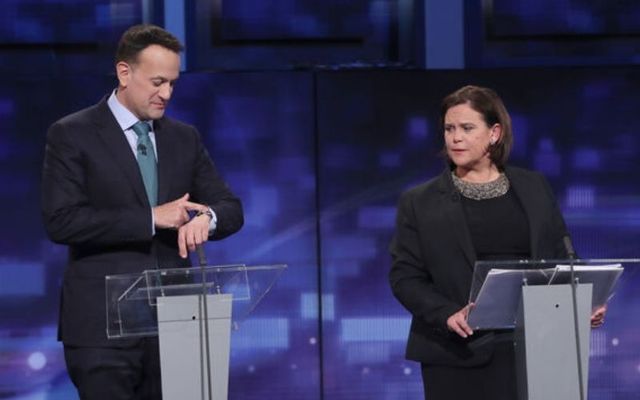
550	317
192	311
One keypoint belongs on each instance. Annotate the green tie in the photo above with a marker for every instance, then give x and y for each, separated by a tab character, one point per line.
147	161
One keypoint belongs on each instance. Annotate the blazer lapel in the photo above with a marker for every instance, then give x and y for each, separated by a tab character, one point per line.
116	143
527	198
452	208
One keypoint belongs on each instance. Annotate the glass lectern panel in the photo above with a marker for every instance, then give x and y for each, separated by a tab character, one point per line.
496	285
132	298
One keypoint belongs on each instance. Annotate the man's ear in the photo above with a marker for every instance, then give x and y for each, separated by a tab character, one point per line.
123	70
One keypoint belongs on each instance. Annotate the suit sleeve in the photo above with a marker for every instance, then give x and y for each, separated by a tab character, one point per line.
411	282
209	188
68	213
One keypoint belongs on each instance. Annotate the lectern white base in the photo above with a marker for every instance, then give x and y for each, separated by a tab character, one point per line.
546	352
183	353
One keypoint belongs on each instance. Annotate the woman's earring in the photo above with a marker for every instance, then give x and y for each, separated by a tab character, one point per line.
492	141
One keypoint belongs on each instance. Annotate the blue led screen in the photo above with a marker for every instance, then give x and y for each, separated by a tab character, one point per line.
66	21
290	19
319	160
522	33
288	34
564	17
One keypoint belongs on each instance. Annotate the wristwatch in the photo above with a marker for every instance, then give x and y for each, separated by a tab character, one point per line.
206	212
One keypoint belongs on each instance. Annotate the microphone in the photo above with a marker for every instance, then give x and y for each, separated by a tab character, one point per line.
142	149
571	254
202	260
568	246
202	257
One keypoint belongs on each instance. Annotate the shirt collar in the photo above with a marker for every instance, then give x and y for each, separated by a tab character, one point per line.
124	117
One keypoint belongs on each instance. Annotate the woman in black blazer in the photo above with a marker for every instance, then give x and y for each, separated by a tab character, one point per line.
478	209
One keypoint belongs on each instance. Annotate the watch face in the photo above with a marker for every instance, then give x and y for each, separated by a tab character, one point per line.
205	212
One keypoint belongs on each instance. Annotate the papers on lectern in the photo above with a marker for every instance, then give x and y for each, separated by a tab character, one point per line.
497	301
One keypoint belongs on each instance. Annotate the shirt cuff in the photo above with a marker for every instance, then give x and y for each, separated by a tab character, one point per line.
153	224
213	223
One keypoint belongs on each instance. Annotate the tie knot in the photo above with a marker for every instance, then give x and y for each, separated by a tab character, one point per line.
141	129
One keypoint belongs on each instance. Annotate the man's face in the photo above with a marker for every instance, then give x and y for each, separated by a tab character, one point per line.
146	86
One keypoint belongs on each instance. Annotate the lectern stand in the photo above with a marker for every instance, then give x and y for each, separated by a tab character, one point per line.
551	330
545	342
192	310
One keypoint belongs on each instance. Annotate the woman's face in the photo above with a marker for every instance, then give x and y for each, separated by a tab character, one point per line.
467	138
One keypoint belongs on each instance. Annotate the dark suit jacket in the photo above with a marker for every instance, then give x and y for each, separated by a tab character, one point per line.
433	259
94	201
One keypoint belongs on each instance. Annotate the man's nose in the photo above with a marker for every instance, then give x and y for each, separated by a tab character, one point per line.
165	92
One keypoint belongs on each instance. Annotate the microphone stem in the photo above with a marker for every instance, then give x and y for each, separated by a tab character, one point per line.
576	325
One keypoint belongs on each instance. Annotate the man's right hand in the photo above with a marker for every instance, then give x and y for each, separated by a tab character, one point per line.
174	214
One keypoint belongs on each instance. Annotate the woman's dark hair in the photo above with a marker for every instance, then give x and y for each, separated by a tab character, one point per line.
139	37
486	102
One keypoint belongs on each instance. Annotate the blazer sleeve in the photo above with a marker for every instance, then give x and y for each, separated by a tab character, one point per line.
411	282
209	188
69	217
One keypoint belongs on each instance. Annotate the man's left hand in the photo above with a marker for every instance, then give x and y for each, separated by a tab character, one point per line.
193	233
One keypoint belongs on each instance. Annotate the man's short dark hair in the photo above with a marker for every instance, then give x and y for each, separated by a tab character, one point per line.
139	37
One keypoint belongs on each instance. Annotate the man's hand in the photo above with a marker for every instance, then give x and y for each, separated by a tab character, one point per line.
597	318
174	214
193	233
458	322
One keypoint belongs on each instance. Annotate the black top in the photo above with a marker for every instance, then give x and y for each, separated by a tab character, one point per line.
499	227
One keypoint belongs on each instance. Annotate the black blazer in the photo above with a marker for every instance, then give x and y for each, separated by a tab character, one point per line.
433	259
94	201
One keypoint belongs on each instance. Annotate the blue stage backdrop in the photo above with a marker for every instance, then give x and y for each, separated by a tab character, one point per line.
379	135
319	159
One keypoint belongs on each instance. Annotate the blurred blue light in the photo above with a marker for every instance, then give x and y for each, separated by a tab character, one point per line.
352	246
390	159
586	159
309	306
373	353
418	128
262	333
37	361
547	160
374	329
22	278
580	197
376	217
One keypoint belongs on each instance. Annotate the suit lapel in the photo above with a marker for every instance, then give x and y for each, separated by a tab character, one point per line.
452	208
116	143
163	143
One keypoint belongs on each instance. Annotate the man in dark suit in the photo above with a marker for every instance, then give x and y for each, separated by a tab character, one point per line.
127	189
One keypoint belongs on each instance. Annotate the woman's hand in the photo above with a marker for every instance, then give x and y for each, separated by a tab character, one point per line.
597	318
458	322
